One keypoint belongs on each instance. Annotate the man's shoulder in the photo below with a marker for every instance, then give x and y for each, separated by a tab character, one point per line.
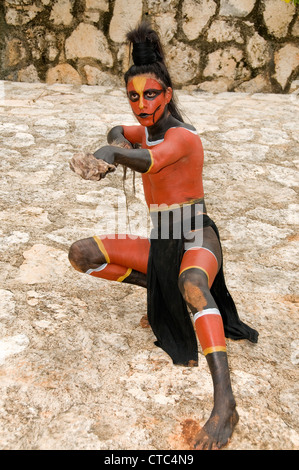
189	127
182	127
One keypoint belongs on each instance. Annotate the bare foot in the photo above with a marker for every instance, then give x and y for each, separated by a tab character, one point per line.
217	430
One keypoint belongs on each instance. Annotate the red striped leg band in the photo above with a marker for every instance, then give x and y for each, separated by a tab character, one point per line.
125	250
110	272
209	330
202	259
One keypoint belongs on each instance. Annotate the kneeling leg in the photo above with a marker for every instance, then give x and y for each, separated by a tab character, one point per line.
111	259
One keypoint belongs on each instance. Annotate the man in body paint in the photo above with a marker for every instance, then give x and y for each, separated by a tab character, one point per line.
178	272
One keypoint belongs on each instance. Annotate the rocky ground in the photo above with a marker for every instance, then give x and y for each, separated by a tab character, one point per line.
77	369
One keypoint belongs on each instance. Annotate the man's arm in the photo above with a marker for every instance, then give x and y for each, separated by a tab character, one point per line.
137	159
122	135
116	136
121	150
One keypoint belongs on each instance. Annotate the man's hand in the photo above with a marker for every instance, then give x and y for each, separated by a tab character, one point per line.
106	153
89	167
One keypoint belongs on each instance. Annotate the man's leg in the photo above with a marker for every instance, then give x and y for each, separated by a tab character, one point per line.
118	258
198	270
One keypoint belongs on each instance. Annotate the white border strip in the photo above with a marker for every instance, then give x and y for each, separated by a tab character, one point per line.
208	311
100	268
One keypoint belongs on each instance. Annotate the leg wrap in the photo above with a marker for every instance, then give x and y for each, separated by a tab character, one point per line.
209	330
122	254
202	259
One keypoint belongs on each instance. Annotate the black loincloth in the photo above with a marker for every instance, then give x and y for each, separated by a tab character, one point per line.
167	311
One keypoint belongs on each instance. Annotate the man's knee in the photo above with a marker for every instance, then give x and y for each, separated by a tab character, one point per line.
193	285
81	254
75	256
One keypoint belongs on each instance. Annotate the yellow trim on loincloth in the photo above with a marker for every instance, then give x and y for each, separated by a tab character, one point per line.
174	206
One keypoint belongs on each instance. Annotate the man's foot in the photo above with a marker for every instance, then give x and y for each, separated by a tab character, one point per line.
217	430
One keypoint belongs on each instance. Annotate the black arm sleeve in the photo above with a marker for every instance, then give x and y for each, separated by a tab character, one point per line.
116	135
137	159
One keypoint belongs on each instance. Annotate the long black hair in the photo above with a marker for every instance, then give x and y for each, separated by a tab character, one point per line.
148	58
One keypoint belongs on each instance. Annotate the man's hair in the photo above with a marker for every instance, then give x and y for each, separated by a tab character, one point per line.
148	58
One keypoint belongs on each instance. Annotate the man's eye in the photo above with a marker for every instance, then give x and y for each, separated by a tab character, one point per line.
150	94
134	96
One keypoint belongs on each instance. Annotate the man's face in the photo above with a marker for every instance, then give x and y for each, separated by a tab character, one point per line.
147	99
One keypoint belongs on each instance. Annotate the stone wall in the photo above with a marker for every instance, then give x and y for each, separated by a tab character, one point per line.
211	45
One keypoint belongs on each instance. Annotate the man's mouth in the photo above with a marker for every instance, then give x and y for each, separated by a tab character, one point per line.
146	115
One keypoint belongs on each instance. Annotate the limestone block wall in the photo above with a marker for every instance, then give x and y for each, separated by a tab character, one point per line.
211	45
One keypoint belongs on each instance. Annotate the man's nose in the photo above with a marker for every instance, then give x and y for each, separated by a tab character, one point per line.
141	104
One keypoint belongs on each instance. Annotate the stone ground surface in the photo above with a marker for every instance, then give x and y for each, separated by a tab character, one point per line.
77	369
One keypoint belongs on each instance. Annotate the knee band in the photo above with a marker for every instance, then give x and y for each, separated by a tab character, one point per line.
108	270
125	250
202	259
210	331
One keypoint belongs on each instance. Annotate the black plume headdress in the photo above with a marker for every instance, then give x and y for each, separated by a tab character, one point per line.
144	53
146	45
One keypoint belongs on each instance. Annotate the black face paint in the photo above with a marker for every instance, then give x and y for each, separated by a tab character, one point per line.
147	99
134	96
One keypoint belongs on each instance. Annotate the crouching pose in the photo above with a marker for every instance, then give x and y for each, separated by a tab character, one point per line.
181	265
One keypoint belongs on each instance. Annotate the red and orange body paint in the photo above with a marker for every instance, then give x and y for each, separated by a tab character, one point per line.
147	99
210	331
